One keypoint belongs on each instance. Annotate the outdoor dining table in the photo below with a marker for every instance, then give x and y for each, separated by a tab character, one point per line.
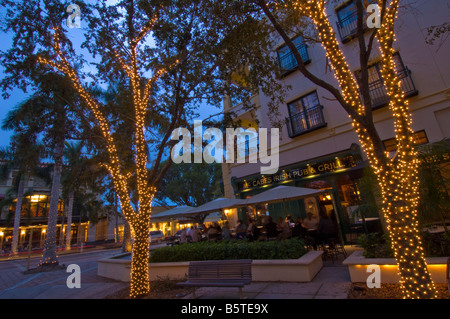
434	230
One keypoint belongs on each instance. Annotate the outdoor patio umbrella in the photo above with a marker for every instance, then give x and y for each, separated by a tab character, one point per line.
215	206
281	194
173	213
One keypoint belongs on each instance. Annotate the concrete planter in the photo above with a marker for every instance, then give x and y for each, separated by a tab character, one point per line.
357	265
303	269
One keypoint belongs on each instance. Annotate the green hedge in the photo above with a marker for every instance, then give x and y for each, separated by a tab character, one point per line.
231	249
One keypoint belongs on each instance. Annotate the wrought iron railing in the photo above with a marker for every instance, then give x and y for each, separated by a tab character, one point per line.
347	26
288	61
378	93
305	121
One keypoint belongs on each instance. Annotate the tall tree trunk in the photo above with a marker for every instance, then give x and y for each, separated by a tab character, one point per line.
49	256
16	230
61	232
140	284
69	220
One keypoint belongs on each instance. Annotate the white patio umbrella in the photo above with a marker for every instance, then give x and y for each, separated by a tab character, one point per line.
282	194
215	206
173	213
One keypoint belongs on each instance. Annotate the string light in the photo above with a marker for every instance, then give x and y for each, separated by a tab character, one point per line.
139	215
398	178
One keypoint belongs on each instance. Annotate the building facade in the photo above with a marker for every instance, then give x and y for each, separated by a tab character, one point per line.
318	146
34	218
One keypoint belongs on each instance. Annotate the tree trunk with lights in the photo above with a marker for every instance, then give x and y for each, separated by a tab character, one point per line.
140	284
397	177
49	255
69	220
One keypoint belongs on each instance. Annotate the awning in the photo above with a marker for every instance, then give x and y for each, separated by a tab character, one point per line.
281	194
216	205
174	213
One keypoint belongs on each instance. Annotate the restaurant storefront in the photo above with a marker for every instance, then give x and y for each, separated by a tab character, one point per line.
339	173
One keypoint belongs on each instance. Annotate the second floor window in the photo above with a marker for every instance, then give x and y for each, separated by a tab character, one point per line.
287	60
348	19
305	114
377	89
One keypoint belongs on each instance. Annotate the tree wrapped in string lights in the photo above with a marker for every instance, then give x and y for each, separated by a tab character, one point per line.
398	179
160	60
138	215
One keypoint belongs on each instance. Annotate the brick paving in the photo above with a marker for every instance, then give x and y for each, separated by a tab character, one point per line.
15	283
332	282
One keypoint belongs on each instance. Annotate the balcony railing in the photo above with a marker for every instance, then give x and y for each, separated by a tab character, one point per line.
378	92
305	121
348	26
288	61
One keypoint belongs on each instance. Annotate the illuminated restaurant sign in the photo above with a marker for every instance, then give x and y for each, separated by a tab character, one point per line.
303	171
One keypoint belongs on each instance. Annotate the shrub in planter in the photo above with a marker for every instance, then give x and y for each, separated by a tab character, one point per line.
231	249
376	245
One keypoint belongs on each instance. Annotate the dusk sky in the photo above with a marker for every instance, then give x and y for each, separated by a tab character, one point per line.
17	95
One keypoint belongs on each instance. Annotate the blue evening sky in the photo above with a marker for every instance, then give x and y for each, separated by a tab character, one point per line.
17	95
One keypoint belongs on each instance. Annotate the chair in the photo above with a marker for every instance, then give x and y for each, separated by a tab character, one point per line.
334	249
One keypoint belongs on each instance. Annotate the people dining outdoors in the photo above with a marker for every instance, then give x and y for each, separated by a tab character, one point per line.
285	230
310	222
327	228
241	230
253	231
183	236
298	231
271	228
214	232
194	234
226	233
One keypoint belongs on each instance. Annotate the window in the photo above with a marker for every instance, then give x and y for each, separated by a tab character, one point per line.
287	60
347	19
420	137
305	115
377	90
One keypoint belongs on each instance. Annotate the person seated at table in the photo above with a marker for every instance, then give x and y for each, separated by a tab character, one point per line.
285	229
310	222
298	230
226	233
241	230
195	234
183	236
214	232
253	231
271	228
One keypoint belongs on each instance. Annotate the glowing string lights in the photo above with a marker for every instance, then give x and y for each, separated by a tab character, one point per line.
398	179
138	216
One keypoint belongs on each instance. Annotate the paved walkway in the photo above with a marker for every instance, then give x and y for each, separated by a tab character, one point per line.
332	282
15	284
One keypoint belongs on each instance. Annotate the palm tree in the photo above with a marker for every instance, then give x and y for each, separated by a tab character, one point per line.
22	157
45	114
72	180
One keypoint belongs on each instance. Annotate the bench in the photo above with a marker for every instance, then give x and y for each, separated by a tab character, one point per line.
219	273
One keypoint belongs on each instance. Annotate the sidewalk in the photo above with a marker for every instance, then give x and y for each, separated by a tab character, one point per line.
332	282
